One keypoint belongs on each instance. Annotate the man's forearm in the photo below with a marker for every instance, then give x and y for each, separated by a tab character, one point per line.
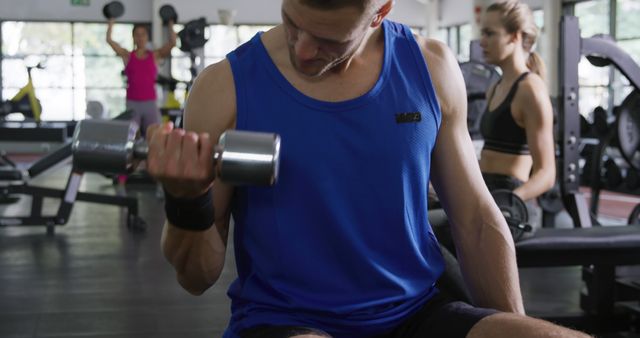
488	262
197	256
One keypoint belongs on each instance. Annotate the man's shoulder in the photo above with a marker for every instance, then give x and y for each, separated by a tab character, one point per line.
435	51
444	71
215	75
440	60
212	94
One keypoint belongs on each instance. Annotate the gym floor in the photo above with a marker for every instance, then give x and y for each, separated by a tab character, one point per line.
96	278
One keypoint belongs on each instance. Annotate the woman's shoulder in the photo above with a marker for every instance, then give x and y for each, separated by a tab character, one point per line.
531	86
534	82
532	94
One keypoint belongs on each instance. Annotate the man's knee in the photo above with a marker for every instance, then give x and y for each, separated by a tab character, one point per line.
513	325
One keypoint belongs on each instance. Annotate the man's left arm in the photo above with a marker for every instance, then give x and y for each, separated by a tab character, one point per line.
483	242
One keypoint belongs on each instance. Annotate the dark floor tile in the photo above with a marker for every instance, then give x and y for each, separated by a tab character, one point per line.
192	318
96	278
175	334
95	323
17	325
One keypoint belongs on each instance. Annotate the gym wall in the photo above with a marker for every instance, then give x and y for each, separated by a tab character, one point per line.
248	11
61	10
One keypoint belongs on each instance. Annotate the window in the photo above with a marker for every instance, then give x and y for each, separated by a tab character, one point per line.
538	18
626	21
465	41
458	38
441	34
627	30
79	65
606	87
97	70
594	17
27	44
628	38
452	39
222	40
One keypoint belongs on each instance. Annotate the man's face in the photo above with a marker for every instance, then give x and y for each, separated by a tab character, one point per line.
319	40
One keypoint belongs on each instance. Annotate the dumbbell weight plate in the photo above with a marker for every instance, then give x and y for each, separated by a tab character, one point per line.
104	146
514	211
551	201
113	9
167	12
249	158
628	129
634	217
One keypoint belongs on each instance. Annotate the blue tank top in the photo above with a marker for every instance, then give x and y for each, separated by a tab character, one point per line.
342	242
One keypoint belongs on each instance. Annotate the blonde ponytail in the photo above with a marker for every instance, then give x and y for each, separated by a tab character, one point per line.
536	65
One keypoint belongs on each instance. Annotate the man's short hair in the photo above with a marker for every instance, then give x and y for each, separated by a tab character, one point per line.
337	4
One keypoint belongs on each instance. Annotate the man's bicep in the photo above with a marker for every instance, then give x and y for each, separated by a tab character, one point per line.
211	103
211	108
456	174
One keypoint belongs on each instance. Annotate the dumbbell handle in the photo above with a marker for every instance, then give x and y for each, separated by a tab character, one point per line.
141	151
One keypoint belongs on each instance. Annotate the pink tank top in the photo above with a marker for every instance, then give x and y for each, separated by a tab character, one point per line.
141	77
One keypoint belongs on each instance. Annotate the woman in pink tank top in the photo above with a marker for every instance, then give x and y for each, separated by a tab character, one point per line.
141	69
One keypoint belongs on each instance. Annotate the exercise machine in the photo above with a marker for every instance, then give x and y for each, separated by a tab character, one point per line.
25	101
600	250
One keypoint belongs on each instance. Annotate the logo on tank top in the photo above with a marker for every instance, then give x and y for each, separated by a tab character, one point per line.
408	117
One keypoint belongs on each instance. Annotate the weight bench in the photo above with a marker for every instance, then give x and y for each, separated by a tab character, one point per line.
550	247
10	174
67	196
609	304
599	250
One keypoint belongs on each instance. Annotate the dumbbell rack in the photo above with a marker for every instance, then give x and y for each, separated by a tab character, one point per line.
67	196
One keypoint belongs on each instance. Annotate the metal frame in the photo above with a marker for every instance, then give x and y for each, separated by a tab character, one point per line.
569	123
67	197
1	57
573	47
588	246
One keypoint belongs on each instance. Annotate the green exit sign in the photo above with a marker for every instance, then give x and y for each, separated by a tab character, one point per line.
80	2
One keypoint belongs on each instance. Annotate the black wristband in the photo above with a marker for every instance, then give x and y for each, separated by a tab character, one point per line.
195	214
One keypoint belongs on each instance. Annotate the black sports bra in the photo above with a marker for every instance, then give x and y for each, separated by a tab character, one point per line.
498	128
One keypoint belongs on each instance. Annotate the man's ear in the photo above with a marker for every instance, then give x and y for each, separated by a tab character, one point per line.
381	13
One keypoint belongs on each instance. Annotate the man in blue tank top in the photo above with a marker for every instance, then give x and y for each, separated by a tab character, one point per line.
341	246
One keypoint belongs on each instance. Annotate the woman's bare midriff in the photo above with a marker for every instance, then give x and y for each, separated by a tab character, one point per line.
494	162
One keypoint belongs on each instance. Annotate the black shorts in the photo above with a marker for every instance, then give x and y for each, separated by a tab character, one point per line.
500	181
440	317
